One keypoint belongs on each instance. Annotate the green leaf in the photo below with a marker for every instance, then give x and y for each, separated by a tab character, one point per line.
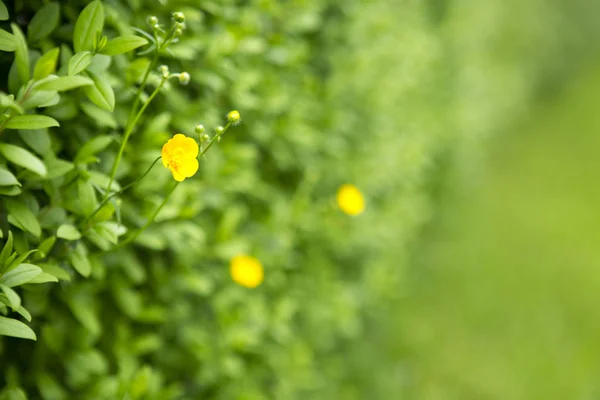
23	216
7	178
46	64
123	44
13	298
68	232
15	328
79	260
102	117
46	246
56	271
22	53
43	278
3	12
31	121
10	191
64	83
38	140
58	167
43	22
21	310
18	260
87	197
20	275
6	251
80	62
8	42
40	98
92	147
90	21
19	156
101	93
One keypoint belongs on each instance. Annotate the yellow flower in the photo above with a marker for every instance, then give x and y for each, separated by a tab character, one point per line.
180	154
350	200
246	271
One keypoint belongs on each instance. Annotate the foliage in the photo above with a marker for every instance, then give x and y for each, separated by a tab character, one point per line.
330	93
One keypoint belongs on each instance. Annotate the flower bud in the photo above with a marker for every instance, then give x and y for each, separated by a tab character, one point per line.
233	116
164	71
219	130
199	129
178	17
178	32
156	27
205	138
184	78
152	21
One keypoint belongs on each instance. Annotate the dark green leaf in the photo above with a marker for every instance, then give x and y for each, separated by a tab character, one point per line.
31	122
43	22
46	64
6	251
15	328
23	216
64	83
80	62
68	232
87	197
20	275
10	191
19	156
123	44
90	21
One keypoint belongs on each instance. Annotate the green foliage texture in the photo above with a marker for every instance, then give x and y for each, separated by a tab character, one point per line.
377	93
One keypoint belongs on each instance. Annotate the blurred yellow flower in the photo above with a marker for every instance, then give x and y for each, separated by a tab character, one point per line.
350	200
180	154
246	271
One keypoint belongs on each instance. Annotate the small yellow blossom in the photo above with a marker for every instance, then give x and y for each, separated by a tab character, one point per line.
233	117
350	200
180	154
246	271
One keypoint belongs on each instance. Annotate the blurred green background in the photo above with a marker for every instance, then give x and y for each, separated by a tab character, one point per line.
469	126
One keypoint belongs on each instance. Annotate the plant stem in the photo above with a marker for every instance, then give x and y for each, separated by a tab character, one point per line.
137	233
108	198
214	139
128	132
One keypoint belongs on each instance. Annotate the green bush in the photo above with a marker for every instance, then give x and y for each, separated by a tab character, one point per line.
330	92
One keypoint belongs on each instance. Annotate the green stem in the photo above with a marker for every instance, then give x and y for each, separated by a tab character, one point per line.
138	94
214	139
128	132
107	199
137	233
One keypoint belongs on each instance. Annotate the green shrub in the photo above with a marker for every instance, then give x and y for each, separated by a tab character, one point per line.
329	93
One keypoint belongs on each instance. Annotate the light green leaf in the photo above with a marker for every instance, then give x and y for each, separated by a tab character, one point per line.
79	260
31	122
8	42
43	22
101	93
46	64
56	271
20	275
87	197
10	191
102	117
45	247
64	83
80	62
13	298
43	278
93	146
7	178
3	12
40	98
38	140
68	232
90	21
123	44
15	328
19	156
18	260
23	216
24	313
58	167
22	53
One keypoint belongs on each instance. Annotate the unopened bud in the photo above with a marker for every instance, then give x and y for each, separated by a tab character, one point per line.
199	129
219	130
205	138
184	78
164	71
178	17
152	21
233	116
178	32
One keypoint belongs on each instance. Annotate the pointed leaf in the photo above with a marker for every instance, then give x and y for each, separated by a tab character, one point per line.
43	22
101	93
64	83
123	44
46	64
68	232
13	298
15	328
8	42
7	178
19	156
20	275
23	216
31	122
80	62
90	21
